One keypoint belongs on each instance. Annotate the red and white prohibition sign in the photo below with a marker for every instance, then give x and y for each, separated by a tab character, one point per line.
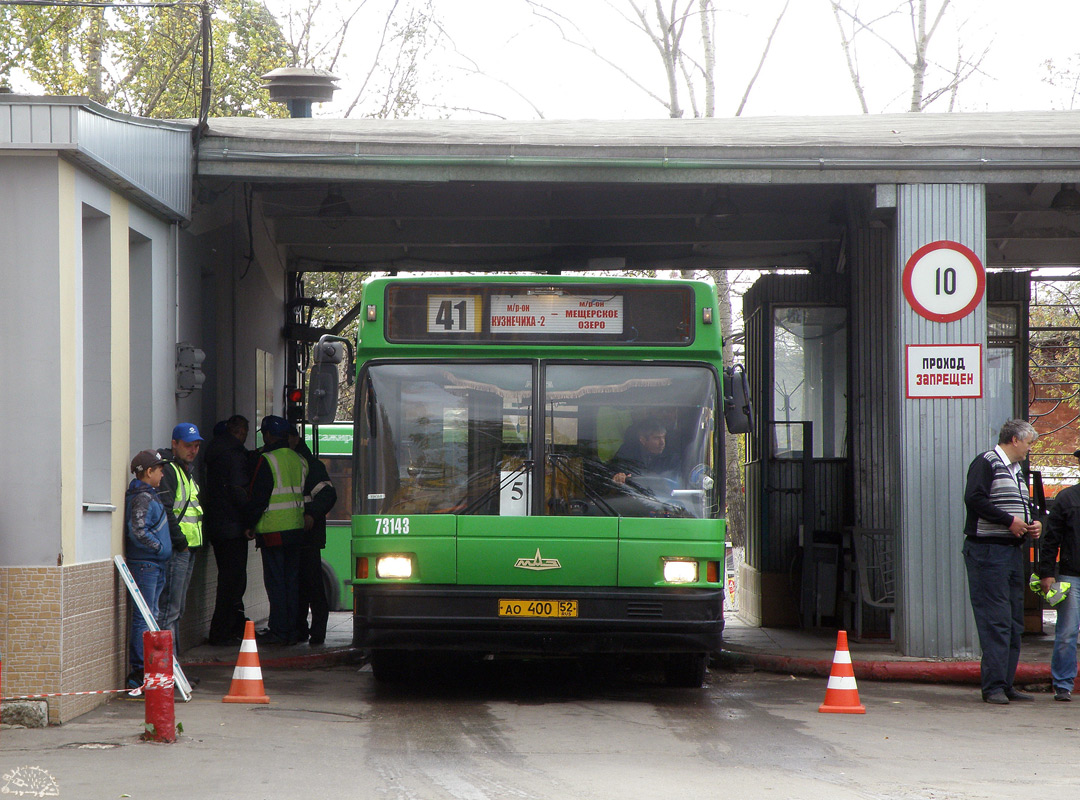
944	281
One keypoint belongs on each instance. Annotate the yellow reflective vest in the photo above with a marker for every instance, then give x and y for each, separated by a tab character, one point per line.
187	498
285	512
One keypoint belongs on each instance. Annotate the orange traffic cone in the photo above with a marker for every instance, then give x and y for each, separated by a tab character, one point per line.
247	682
842	695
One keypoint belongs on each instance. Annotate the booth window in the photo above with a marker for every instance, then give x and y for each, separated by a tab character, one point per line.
810	380
1003	340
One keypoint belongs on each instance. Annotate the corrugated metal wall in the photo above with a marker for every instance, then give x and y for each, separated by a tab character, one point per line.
874	405
152	157
940	438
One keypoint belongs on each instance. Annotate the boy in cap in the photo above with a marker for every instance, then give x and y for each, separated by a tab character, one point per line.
147	547
180	495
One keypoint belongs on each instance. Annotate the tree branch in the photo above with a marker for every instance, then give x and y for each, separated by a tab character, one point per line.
764	55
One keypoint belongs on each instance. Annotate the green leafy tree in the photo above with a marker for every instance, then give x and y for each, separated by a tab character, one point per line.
146	61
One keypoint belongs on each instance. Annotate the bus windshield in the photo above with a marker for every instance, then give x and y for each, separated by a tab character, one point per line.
626	440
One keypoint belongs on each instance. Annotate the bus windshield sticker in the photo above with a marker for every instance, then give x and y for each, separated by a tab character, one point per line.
556	313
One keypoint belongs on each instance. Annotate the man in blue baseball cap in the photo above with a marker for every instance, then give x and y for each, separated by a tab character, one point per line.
179	494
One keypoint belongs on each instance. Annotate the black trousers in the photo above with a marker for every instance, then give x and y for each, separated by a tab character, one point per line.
312	594
231	556
996	587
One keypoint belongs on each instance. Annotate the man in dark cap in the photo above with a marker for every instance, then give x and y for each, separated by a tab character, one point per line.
1059	560
180	495
275	519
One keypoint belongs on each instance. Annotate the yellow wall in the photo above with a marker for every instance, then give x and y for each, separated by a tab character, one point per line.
67	237
121	362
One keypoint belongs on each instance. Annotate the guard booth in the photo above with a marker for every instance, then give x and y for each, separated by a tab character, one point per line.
821	471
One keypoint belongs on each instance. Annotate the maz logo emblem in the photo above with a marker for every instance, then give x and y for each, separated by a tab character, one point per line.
537	563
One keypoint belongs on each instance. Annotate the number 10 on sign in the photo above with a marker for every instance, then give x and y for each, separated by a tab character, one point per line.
944	281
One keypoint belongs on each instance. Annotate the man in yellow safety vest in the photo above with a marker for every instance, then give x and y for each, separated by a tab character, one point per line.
179	494
275	516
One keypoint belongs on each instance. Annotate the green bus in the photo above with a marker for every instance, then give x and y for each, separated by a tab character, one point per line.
539	469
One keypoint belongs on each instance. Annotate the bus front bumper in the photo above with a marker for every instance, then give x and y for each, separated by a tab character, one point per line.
670	620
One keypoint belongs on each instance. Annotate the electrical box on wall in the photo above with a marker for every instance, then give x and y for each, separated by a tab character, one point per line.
189	374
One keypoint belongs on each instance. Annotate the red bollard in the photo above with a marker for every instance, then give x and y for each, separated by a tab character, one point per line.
158	669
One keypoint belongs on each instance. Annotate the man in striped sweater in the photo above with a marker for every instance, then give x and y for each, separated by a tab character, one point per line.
999	519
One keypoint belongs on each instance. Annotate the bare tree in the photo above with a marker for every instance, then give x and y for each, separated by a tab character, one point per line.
323	34
688	62
881	24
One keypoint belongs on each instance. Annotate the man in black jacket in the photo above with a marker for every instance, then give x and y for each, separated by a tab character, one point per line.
319	497
1060	555
227	478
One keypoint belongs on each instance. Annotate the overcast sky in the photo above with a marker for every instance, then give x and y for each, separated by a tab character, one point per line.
805	72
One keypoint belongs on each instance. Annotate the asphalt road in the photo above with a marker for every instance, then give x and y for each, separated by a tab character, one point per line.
553	730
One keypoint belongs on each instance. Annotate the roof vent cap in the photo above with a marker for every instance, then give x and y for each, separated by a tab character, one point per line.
299	87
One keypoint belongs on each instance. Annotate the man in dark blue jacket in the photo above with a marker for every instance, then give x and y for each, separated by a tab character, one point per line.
224	497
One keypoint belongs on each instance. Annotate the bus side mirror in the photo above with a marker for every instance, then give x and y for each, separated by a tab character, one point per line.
323	382
738	414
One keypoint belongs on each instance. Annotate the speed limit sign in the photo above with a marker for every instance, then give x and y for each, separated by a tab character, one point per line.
944	281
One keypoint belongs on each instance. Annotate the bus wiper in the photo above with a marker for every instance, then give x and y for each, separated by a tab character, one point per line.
483	499
559	462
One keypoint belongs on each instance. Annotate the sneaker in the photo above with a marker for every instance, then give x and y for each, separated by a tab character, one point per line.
1064	695
1015	696
134	680
997	699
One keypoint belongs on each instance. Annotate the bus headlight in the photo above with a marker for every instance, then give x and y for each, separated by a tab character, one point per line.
393	566
680	570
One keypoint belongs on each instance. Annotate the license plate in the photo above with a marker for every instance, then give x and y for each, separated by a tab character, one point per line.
538	608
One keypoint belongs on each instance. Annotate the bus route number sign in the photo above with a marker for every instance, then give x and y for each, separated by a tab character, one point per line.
453	313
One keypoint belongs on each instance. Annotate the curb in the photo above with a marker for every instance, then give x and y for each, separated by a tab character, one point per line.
959	672
327	658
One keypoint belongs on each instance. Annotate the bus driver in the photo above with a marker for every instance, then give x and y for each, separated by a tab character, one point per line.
644	453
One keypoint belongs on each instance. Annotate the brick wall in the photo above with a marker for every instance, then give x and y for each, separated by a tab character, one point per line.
65	629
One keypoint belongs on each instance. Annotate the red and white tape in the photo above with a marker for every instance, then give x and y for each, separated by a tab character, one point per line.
149	682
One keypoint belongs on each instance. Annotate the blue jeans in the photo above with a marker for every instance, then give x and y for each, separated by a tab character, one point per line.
150	578
1063	661
174	598
996	587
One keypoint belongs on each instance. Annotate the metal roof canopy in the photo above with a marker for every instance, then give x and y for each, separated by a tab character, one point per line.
716	193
